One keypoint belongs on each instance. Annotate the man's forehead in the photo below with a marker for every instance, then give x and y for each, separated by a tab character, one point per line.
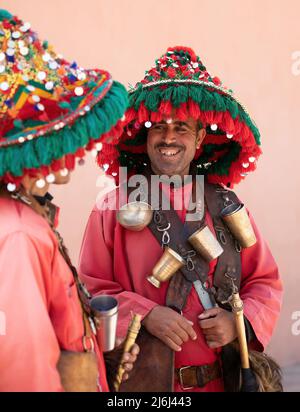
173	120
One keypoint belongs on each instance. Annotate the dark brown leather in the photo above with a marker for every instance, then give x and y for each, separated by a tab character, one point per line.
154	368
182	282
198	376
229	263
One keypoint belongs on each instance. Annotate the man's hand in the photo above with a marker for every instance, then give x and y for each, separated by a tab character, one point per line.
170	327
218	327
114	358
128	359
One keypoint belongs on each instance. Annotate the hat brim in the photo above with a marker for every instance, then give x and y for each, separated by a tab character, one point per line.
93	118
226	156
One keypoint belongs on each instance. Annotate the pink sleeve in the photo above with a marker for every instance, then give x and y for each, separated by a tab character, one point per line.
29	348
261	289
100	259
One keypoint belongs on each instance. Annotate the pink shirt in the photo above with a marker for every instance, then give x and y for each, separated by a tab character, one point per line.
39	300
117	261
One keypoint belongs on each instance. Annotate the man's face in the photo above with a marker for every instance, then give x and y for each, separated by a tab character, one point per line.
172	144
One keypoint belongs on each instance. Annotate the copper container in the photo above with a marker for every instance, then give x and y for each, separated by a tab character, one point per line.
135	216
236	218
206	244
166	267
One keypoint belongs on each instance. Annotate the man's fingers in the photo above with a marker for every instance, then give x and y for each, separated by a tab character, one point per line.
128	366
187	326
118	342
171	344
212	338
125	377
208	323
127	357
210	331
209	313
132	355
181	333
174	337
135	350
213	344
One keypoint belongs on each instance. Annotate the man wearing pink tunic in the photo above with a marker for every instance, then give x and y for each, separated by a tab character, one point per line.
118	261
179	114
39	299
46	342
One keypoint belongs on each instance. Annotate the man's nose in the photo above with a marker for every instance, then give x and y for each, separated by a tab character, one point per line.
169	136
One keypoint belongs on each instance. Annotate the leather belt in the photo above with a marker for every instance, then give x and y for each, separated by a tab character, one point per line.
191	377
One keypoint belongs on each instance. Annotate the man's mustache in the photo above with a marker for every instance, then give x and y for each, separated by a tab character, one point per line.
168	146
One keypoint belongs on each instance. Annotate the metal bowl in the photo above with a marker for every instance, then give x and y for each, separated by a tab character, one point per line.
135	216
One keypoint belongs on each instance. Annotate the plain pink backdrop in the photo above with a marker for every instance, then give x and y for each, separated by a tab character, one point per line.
251	46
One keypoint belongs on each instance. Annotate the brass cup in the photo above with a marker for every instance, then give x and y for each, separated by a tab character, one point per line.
236	218
135	216
206	244
166	267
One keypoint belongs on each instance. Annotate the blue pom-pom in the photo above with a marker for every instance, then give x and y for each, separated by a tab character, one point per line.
9	103
72	78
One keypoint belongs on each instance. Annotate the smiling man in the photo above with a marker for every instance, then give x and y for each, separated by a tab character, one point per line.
182	121
172	144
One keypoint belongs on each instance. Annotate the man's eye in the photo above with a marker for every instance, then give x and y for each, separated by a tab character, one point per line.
182	129
157	127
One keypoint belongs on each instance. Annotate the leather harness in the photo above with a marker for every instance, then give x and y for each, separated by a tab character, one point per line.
228	266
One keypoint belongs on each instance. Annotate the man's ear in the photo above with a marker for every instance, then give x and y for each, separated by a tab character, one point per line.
200	137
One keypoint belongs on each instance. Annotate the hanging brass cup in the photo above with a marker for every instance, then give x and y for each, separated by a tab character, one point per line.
166	267
206	244
135	216
236	218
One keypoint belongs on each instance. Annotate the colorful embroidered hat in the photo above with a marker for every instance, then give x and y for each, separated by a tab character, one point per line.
50	108
180	82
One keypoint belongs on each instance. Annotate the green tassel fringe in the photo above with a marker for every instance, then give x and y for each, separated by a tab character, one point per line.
208	100
43	150
5	15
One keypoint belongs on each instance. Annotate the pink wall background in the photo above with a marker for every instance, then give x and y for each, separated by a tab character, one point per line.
253	46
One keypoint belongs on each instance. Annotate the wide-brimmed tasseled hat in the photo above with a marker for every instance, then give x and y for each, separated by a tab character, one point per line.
179	84
50	109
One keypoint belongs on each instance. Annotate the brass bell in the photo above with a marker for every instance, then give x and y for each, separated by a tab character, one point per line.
166	267
236	218
135	216
206	244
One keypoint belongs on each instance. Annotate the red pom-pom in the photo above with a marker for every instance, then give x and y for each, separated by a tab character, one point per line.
171	72
185	49
217	81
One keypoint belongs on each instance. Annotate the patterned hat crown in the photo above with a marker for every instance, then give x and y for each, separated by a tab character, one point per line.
180	64
49	108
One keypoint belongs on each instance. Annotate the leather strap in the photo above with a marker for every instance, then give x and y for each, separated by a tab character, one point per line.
229	263
191	377
196	268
